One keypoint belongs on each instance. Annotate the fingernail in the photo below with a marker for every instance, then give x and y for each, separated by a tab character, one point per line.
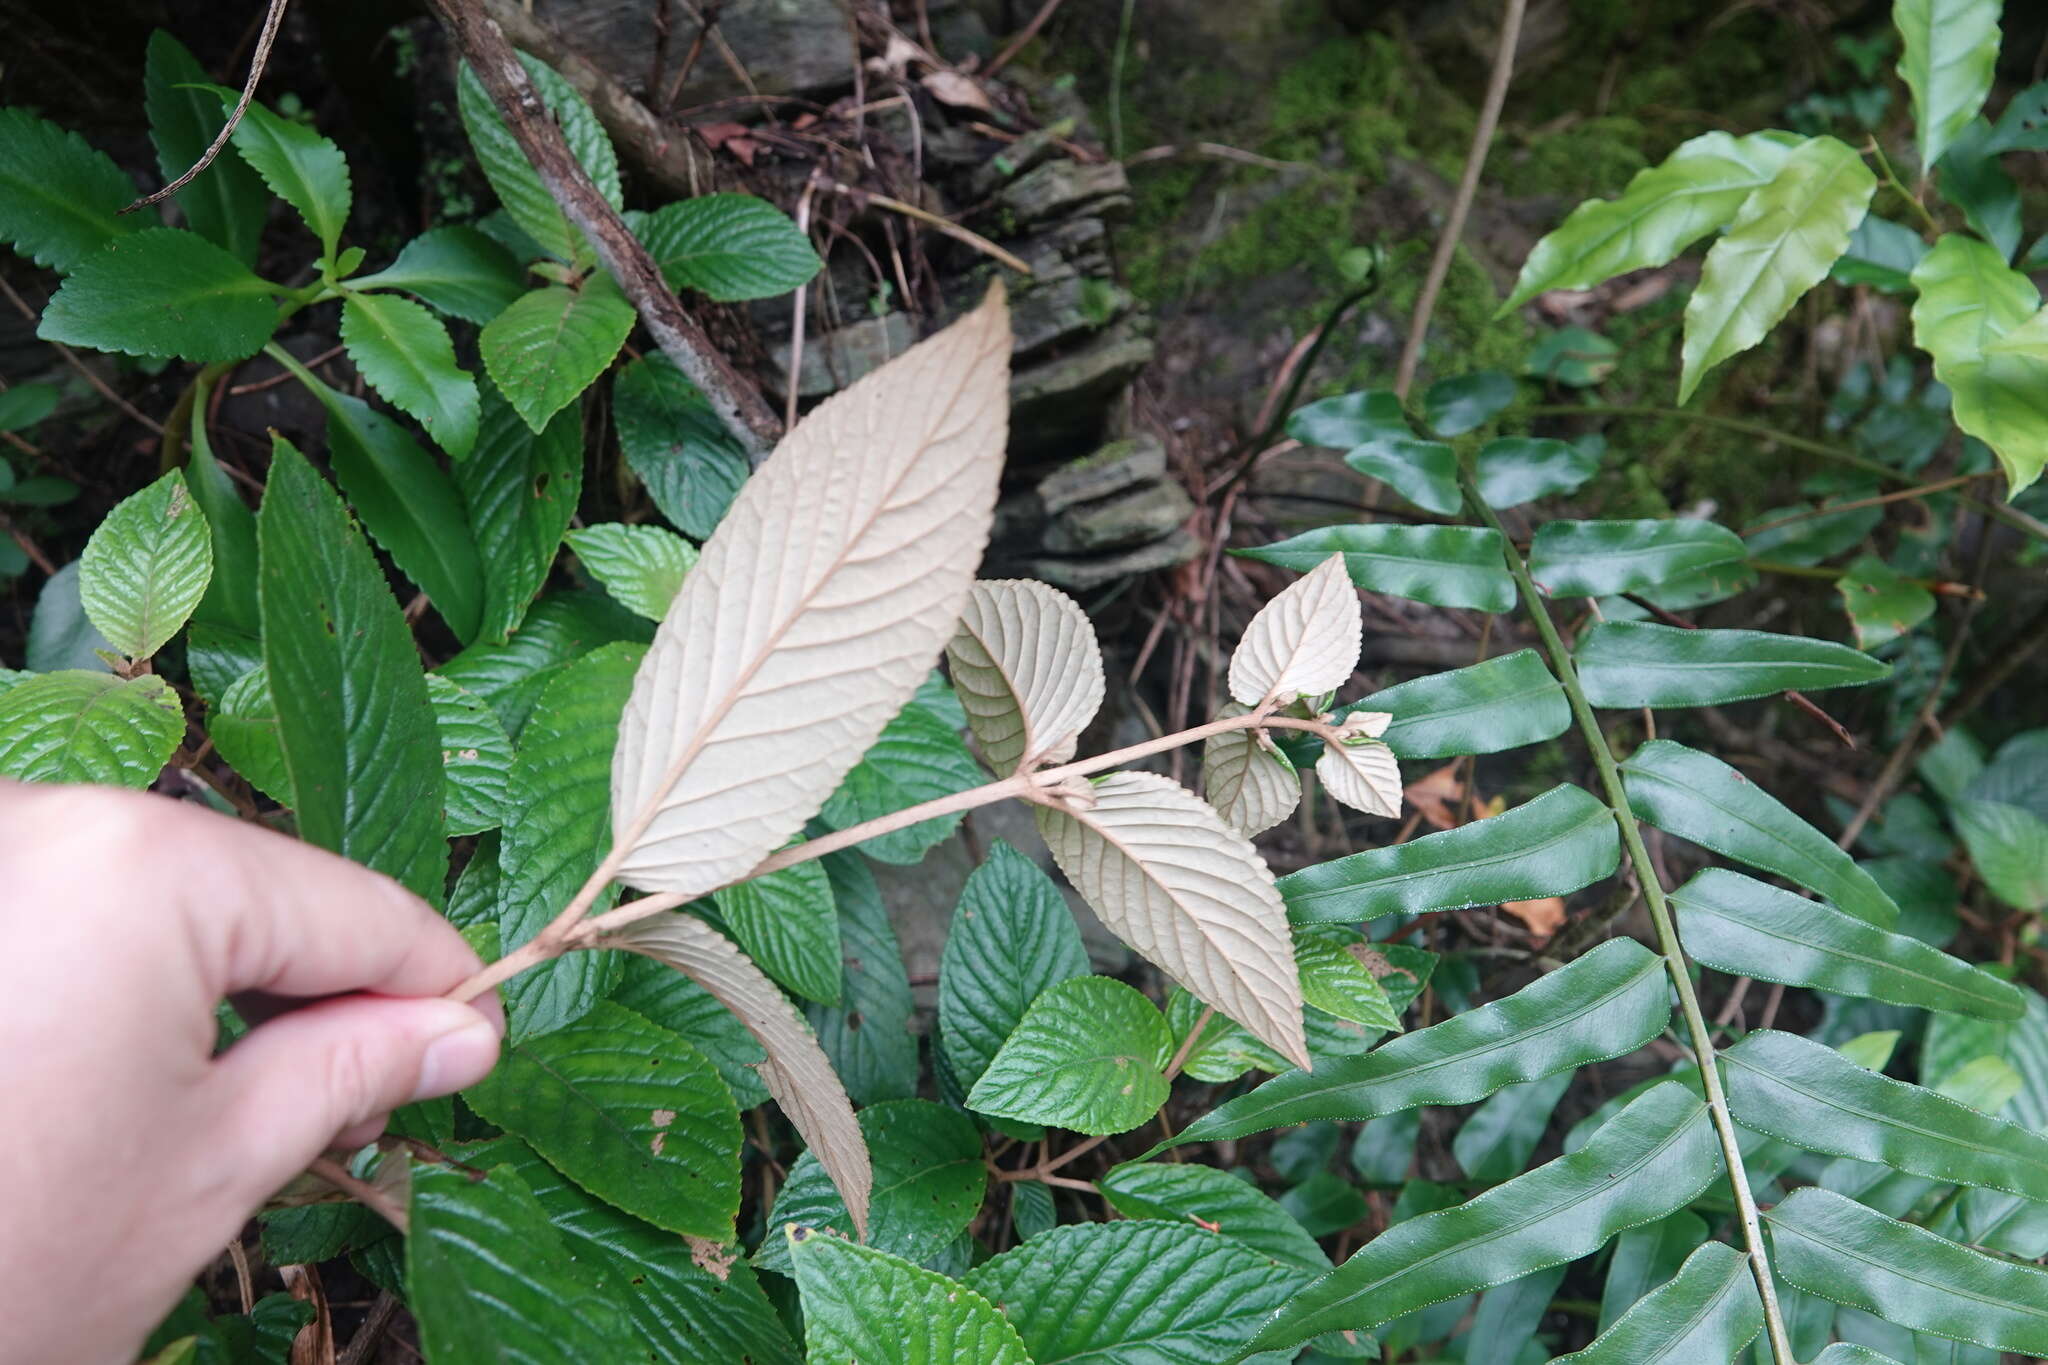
460	1057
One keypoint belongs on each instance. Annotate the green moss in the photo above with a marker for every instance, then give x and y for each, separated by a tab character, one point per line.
1594	157
1463	335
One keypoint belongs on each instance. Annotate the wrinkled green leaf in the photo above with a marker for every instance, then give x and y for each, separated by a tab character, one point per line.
79	726
458	270
1635	663
559	629
406	355
1205	1197
476	758
1337	981
868	1036
552	344
665	996
729	247
146	567
1088	1055
671	438
520	491
867	1306
787	923
60	198
642	567
1602	558
1445	566
162	291
504	162
918	757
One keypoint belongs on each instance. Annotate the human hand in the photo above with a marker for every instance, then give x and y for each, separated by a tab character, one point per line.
133	1153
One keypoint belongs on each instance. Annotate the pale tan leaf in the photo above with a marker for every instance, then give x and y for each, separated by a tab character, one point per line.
1253	787
950	87
815	610
1169	877
1028	672
1304	642
796	1073
1363	775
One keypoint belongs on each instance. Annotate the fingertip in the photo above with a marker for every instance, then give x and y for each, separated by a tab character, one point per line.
460	1055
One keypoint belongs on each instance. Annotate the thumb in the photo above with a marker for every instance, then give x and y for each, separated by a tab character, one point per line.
287	1089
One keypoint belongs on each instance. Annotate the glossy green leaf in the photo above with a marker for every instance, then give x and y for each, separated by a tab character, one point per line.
1651	1159
1424	472
671	438
1350	420
1602	558
918	757
1970	303
488	1278
1555	844
2017	774
1445	566
1133	1293
1336	980
1205	1197
60	198
59	635
1505	1325
1698	797
1573	356
162	291
476	758
79	726
1503	703
301	167
1709	1311
1881	604
520	492
558	630
1664	210
504	162
865	1305
1780	243
929	1183
1972	179
406	355
558	828
1635	663
353	714
868	1035
1881	254
729	247
1518	469
1088	1055
146	567
1840	1250
1745	928
1496	1141
1606	1003
1645	1257
552	344
1012	937
1848	1353
21	408
640	566
1949	50
230	599
226	203
630	1112
1466	402
2009	846
458	270
787	923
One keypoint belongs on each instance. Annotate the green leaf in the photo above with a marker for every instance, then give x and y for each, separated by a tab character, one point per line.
456	269
1971	178
1557	843
488	1278
2009	846
787	923
1847	1353
1664	210
1466	402
929	1184
1503	703
1635	663
1881	604
630	1112
1445	566
918	757
21	407
559	630
661	994
1424	472
1012	937
552	344
1698	797
1517	469
1881	254
1645	1257
690	464
406	355
1497	1140
1088	1055
162	291
1604	558
1335	980
146	567
505	165
520	492
80	726
59	635
1837	1248
1780	244
1572	356
1651	1159
729	247
1708	1311
1505	1325
301	167
1606	1003
640	566
868	1036
1133	1293
1350	420
557	830
867	1306
476	758
225	203
682	1312
1745	928
1205	1197
230	600
352	710
1949	50
1969	303
60	200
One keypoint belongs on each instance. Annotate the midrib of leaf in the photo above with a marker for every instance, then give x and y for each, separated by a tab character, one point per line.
1847	1251
1016	701
1704	1312
1763	257
1729	811
582	1099
1683	666
1837	951
1489	860
1544	688
1648	551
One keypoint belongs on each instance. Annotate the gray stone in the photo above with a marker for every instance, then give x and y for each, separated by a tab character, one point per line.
1027	153
1060	403
1136	516
1080	575
1112	469
786	46
1064	189
834	360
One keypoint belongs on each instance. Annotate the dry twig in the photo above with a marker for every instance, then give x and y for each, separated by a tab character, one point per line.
271	20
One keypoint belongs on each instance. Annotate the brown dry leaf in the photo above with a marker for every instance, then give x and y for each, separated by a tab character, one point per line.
950	87
1304	642
1028	670
730	137
1543	916
1435	794
813	614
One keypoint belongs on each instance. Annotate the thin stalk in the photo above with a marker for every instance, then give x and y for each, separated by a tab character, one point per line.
1660	916
1884	167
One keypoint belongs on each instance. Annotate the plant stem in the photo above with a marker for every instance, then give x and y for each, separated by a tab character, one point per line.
1884	167
1661	917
